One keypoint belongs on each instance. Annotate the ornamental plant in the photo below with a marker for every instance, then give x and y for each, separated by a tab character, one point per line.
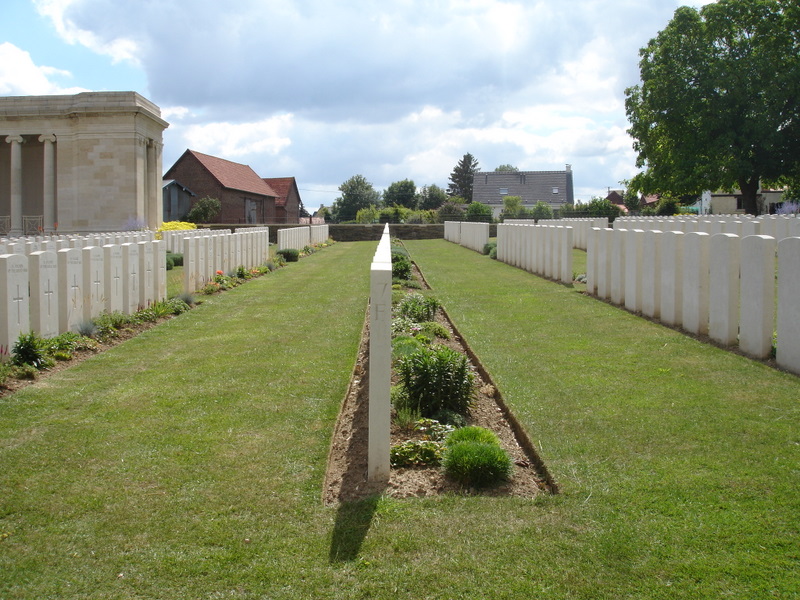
417	307
477	464
436	380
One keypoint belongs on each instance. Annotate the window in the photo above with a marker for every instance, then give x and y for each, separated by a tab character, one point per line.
504	191
555	190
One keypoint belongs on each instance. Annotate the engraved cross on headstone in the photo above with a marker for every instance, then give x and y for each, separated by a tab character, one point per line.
48	294
18	301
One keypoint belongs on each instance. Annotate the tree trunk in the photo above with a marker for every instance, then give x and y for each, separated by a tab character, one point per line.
749	189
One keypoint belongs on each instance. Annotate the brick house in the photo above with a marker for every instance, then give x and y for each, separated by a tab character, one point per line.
288	203
245	197
551	187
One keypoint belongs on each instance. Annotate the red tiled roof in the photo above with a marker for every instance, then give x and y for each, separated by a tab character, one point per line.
282	187
234	175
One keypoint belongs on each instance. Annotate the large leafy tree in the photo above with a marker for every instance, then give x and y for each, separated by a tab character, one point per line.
431	197
401	193
718	105
357	193
462	176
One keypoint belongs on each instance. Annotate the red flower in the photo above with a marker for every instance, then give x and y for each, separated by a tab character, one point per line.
219	272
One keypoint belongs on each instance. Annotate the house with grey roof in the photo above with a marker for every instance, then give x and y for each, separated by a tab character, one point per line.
551	187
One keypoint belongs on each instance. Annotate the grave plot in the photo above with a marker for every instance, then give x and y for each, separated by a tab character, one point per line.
346	476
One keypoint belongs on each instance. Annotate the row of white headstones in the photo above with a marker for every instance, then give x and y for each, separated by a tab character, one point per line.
696	274
53	285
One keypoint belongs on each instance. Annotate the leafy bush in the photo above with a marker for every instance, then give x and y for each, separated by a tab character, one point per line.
87	328
30	349
417	307
487	248
415	453
170	263
477	464
289	254
436	379
432	329
493	253
177	259
401	267
174	226
472	434
433	429
204	210
405	345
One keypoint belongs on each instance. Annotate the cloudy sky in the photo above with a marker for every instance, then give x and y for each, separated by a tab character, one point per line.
322	90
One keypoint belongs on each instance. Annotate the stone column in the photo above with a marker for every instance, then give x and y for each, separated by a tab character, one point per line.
16	184
152	218
49	179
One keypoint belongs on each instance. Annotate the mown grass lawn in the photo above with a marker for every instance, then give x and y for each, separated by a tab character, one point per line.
188	462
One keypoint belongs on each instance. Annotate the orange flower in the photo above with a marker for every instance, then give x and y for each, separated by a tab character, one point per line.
219	272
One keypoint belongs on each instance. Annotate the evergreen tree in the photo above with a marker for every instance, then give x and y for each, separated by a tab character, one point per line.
462	176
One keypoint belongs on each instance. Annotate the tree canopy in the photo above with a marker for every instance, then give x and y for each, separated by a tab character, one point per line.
478	211
431	197
717	106
401	193
462	176
357	193
506	169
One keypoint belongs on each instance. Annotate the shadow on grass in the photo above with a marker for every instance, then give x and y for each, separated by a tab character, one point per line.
352	524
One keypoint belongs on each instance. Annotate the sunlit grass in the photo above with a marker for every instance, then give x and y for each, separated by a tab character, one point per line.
188	462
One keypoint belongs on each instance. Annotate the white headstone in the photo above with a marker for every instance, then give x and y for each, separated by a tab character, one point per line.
94	296
70	289
14	308
757	300
672	277
723	319
130	272
43	270
146	274
113	277
695	282
788	351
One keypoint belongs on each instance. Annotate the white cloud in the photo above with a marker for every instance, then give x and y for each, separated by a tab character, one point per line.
392	90
20	76
233	140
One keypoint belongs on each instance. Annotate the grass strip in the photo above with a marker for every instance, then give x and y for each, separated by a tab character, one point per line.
678	461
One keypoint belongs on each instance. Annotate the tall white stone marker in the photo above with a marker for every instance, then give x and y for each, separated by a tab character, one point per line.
44	293
14	313
757	300
788	351
380	361
94	298
70	284
113	277
695	282
723	319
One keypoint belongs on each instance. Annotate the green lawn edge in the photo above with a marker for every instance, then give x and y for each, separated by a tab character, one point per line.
188	462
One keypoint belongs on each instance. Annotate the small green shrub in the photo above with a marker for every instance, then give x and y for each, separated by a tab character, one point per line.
405	418
493	253
404	345
170	263
433	429
472	434
30	349
435	380
177	259
432	329
415	453
477	464
487	248
401	267
289	254
417	307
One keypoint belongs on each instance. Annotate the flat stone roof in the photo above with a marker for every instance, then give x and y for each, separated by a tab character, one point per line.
82	103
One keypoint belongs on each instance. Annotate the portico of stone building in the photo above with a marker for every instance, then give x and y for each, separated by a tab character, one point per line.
79	164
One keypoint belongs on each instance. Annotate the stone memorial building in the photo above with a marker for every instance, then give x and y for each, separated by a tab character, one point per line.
82	163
